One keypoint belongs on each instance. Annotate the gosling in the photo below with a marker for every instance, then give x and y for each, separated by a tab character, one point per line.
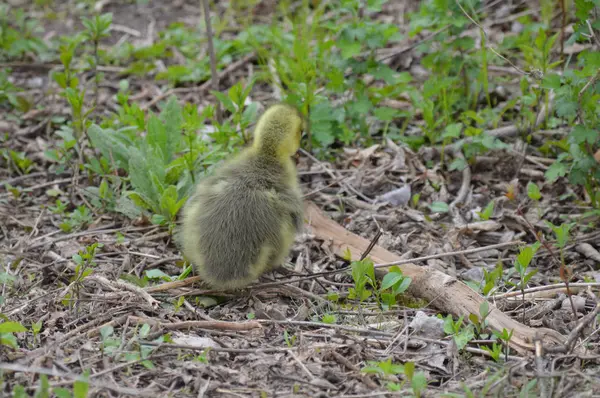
242	220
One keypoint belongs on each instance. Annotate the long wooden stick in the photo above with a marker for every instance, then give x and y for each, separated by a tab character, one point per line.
444	292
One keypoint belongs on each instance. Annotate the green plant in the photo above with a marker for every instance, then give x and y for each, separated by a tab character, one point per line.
487	212
241	115
36	328
576	105
18	160
461	334
363	275
95	29
7	330
505	336
495	350
20	35
533	191
9	93
491	279
63	154
322	51
60	207
521	265
386	367
203	356
136	350
393	284
290	339
480	321
110	344
418	380
80	217
329	319
156	175
84	264
81	386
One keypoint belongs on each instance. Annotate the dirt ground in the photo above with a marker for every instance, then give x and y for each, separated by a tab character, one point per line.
270	340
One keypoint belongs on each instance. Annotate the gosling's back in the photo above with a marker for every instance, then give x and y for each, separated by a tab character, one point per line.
241	222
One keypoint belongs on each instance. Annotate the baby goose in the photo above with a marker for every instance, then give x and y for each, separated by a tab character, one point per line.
242	220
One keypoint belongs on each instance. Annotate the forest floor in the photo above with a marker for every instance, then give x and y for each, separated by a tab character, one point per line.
95	303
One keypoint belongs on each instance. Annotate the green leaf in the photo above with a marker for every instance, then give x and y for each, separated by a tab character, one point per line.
409	370
169	202
43	391
144	330
349	48
157	274
172	117
385	114
143	177
225	100
526	254
488	211
81	387
19	392
157	135
533	191
566	108
403	286
418	383
8	339
390	279
464	336
61	392
106	332
551	81
12	327
453	130
113	145
556	170
329	319
458	164
581	134
439	207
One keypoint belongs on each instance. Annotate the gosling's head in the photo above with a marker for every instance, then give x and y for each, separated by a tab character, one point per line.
278	131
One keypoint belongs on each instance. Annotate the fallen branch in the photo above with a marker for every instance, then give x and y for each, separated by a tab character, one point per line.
444	292
551	290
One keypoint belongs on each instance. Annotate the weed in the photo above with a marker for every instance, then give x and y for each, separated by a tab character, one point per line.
85	264
521	266
363	275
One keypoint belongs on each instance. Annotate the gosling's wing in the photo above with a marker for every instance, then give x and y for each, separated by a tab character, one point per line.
290	205
238	230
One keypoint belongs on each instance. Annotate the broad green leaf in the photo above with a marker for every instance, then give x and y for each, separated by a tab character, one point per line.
556	170
581	134
533	191
114	145
439	207
172	118
403	286
390	279
81	388
551	81
156	274
12	327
